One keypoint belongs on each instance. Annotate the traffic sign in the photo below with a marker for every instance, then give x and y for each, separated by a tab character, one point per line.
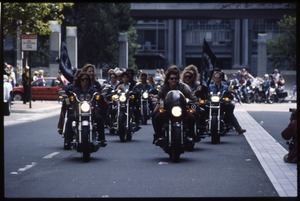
29	42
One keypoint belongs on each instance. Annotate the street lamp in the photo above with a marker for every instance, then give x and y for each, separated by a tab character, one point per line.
19	52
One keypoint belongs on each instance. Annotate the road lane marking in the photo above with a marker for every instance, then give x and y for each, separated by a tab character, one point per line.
27	167
51	155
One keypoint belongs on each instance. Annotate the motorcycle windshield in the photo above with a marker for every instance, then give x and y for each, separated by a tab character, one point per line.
174	97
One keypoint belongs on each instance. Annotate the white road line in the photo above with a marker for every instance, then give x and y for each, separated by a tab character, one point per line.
51	155
27	167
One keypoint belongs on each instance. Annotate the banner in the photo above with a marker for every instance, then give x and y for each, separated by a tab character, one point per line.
212	56
65	64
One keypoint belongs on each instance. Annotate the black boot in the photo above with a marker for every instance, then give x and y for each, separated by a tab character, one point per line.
158	140
101	139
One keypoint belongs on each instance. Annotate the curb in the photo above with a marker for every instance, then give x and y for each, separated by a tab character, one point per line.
35	110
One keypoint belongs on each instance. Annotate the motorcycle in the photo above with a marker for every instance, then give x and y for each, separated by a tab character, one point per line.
111	121
215	125
125	124
85	129
174	108
145	111
280	94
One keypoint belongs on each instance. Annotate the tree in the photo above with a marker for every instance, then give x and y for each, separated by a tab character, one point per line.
133	46
283	49
34	16
98	26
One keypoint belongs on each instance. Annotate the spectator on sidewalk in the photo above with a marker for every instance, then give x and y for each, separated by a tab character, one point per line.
25	83
290	133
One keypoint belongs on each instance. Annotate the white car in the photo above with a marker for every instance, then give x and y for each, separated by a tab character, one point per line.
7	95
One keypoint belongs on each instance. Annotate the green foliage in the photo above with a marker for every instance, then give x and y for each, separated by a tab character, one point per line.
283	48
34	16
132	46
98	26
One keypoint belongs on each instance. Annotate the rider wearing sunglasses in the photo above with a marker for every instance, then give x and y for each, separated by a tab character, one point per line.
171	82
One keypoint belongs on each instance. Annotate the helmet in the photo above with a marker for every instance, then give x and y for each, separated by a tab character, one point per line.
266	75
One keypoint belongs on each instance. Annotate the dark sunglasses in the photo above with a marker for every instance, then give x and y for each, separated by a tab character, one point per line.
188	76
84	79
173	78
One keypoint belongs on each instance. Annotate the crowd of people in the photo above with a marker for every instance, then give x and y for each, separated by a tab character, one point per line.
188	81
242	82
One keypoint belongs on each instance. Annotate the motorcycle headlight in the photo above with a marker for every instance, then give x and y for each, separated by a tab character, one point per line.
215	99
122	98
115	97
176	111
145	95
85	107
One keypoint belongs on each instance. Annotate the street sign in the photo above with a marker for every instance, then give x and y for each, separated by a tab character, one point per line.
29	42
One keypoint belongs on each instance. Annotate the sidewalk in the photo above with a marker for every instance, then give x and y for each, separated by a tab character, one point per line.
36	106
269	153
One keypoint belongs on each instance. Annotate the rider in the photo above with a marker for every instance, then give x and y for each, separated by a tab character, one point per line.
219	86
64	106
234	85
171	82
126	85
83	85
267	85
140	87
190	76
90	69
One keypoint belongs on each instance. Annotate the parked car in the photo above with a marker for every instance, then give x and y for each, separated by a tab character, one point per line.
7	95
41	89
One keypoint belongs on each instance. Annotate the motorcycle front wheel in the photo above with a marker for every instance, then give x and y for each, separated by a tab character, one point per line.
215	137
144	116
121	127
85	144
176	145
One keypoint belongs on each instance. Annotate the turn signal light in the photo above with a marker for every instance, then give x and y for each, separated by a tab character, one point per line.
202	101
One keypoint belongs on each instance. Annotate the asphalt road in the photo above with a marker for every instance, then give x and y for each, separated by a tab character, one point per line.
36	166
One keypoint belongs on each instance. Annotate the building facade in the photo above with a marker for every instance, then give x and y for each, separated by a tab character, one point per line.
168	37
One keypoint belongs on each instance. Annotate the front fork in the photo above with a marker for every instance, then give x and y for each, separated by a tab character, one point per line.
172	125
212	110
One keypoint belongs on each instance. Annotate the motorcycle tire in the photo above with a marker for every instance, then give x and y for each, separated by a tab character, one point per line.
122	128
85	144
144	117
272	99
129	130
215	136
176	149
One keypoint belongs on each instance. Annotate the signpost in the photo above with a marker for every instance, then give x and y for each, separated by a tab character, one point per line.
29	43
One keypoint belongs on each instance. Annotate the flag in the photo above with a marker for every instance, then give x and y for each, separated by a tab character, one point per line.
65	64
208	51
203	69
214	60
